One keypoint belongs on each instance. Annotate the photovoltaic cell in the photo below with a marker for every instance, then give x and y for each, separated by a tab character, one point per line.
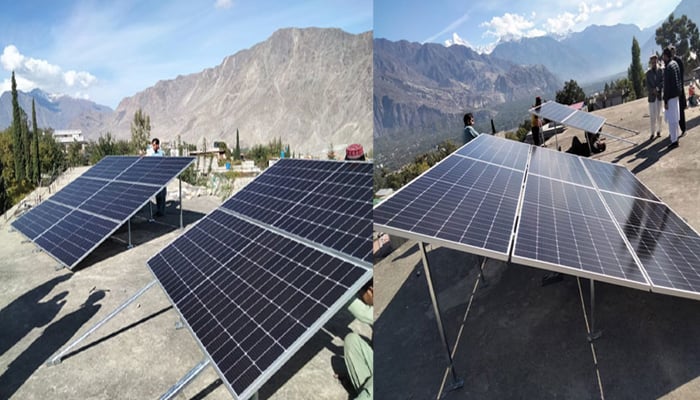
154	170
557	165
76	192
326	202
77	218
617	179
251	296
646	214
491	149
71	238
566	115
460	201
40	218
575	236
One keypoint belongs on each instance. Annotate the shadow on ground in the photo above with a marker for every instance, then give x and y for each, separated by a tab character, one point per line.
143	230
53	337
523	340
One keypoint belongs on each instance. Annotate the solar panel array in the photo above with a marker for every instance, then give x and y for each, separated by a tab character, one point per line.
566	115
257	277
76	219
574	215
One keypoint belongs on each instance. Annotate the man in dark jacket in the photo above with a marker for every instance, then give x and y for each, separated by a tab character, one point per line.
673	88
682	102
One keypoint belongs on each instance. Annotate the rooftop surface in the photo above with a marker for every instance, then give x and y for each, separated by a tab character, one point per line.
517	339
139	354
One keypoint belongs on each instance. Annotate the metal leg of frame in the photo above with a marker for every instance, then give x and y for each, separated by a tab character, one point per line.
180	190
129	228
481	270
456	382
185	380
57	358
595	334
150	211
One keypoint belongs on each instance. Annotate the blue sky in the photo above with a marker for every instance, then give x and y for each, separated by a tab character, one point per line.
483	22
108	50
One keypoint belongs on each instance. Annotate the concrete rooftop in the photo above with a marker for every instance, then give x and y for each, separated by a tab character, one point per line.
139	354
519	340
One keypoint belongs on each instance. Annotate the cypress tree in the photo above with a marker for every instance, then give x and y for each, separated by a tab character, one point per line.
237	152
17	150
37	163
636	71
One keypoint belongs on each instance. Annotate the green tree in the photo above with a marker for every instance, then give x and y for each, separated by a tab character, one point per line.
17	150
635	72
52	155
35	156
237	151
27	148
683	34
140	131
4	200
75	157
572	93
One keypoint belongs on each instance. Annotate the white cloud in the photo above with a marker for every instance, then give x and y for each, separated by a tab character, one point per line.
31	73
223	3
512	26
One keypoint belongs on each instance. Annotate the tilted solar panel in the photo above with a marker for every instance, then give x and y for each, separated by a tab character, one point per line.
461	202
617	179
72	222
492	149
253	293
322	201
557	165
566	115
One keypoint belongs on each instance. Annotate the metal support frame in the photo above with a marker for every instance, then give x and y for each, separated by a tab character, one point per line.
456	381
185	380
128	246
57	358
594	334
179	181
150	211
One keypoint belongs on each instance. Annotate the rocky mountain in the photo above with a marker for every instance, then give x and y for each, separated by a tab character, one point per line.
587	56
62	112
594	54
422	91
311	87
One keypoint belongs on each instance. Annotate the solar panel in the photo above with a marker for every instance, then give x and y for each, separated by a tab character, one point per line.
617	179
323	201
566	115
558	165
576	215
491	149
253	293
566	228
460	202
72	222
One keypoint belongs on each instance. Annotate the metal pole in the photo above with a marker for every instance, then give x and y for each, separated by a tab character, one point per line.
456	382
594	334
481	269
57	358
180	190
150	210
129	225
185	380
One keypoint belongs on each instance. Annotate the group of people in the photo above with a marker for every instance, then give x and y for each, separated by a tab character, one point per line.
666	86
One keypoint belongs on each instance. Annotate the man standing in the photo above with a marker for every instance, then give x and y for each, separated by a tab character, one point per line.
682	102
655	84
155	151
673	87
469	131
